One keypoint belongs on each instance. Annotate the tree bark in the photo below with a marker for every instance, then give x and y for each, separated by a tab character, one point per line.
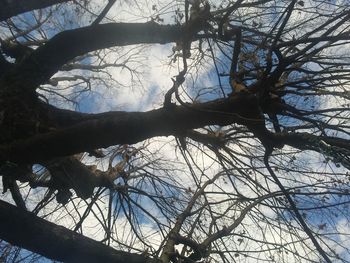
106	129
28	231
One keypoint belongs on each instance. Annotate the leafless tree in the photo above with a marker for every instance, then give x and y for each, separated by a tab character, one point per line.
241	156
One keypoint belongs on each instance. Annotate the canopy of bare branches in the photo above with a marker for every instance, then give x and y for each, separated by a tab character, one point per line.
175	131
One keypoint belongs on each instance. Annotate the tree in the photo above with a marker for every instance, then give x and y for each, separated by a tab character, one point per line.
242	157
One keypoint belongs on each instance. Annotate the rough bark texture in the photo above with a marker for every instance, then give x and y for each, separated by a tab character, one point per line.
57	242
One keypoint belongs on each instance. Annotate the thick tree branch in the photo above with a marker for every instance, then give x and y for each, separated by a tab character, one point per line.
84	132
16	7
48	59
307	141
28	231
106	129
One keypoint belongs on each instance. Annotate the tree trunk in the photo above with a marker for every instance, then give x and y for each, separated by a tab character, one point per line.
28	231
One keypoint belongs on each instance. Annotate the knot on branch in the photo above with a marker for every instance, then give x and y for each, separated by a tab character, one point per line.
199	251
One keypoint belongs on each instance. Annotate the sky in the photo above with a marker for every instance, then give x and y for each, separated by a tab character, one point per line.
144	90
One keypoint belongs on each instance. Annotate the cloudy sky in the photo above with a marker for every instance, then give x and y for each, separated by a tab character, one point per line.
136	78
